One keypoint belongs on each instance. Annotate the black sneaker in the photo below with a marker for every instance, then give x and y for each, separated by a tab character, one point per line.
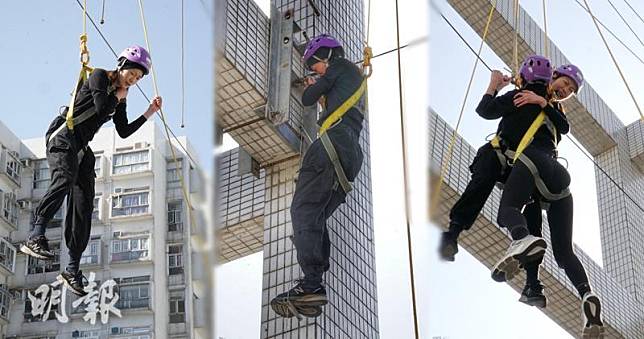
448	247
301	299
73	282
592	319
37	247
533	296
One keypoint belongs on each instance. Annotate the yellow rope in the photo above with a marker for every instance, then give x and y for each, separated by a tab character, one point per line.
436	195
614	60
165	125
83	74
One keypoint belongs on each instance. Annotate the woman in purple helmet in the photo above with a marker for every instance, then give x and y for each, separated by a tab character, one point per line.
101	98
489	166
537	175
318	192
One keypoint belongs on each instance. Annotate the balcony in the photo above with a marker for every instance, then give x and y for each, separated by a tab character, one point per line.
9	210
132	164
10	166
131	204
130	249
176	280
5	304
7	257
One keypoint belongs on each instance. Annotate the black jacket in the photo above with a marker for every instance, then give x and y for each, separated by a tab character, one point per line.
515	121
98	93
341	80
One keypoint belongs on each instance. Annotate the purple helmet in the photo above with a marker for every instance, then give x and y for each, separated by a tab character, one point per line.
138	55
323	40
536	68
573	72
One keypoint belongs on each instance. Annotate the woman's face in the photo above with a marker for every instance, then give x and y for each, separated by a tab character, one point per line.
129	77
563	87
319	67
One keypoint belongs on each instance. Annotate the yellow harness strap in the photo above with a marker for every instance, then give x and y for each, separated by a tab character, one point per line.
496	142
340	111
529	135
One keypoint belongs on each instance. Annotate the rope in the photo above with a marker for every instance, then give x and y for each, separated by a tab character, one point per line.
634	11
611	33
409	44
83	74
405	179
436	195
614	61
162	115
626	22
591	159
103	13
137	85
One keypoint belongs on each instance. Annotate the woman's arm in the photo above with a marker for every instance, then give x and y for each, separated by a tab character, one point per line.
125	128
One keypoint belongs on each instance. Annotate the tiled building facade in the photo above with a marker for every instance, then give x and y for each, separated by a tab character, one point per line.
617	149
243	94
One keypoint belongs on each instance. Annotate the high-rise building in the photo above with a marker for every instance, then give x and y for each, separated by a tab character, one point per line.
140	235
258	106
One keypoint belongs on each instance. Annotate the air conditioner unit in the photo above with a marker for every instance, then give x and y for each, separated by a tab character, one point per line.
140	145
25	204
117	234
27	162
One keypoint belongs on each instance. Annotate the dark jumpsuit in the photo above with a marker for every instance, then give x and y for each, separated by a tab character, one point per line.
317	192
71	161
520	184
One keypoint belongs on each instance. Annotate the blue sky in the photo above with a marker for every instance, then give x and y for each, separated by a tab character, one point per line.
40	40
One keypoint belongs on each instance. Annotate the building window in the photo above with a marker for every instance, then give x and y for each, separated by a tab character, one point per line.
9	207
5	301
175	259
98	165
134	292
13	166
131	162
92	254
96	213
177	307
175	216
173	187
128	204
41	174
38	266
131	249
7	255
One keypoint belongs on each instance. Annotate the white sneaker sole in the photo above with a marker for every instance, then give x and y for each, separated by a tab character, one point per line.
510	265
593	325
26	250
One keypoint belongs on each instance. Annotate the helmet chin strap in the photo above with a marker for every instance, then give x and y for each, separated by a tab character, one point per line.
325	60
